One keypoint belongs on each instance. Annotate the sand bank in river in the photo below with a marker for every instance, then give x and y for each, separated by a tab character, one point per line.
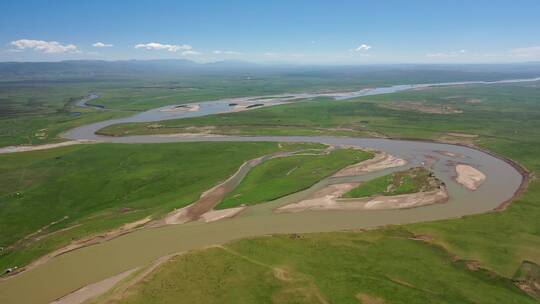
203	208
381	161
216	215
182	108
15	149
470	177
243	106
90	291
207	201
328	199
121	282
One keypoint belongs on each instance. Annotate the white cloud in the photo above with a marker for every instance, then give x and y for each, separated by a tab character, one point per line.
49	47
220	52
102	45
168	47
191	53
271	54
362	47
533	51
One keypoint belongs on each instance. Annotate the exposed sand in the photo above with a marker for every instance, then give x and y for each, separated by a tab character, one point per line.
87	241
328	199
470	177
207	201
182	108
368	299
15	149
216	215
381	161
203	207
90	291
325	197
243	106
196	135
95	290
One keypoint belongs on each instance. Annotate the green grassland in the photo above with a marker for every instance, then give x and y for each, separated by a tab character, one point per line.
409	181
35	110
384	263
383	266
281	176
502	110
467	260
94	188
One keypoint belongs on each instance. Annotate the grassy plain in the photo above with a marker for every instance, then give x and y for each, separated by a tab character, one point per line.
86	189
339	267
468	260
37	107
282	176
37	111
501	110
383	266
409	181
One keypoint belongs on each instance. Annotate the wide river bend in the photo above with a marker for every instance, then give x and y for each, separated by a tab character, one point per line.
75	269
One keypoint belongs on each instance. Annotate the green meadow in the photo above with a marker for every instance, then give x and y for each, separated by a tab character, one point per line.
51	197
282	176
403	182
475	259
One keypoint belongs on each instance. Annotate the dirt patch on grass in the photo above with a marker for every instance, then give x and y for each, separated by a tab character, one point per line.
469	177
369	299
422	107
282	274
465	99
422	238
381	161
473	265
527	278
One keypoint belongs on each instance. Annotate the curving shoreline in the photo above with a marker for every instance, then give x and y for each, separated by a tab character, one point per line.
290	222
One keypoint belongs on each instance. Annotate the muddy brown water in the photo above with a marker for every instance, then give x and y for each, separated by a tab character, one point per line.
73	270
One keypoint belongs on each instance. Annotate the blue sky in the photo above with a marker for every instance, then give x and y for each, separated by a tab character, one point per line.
298	31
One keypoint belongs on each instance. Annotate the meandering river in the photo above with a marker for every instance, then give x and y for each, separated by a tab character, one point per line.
75	269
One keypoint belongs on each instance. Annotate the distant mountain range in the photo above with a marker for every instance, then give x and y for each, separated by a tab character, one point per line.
168	67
